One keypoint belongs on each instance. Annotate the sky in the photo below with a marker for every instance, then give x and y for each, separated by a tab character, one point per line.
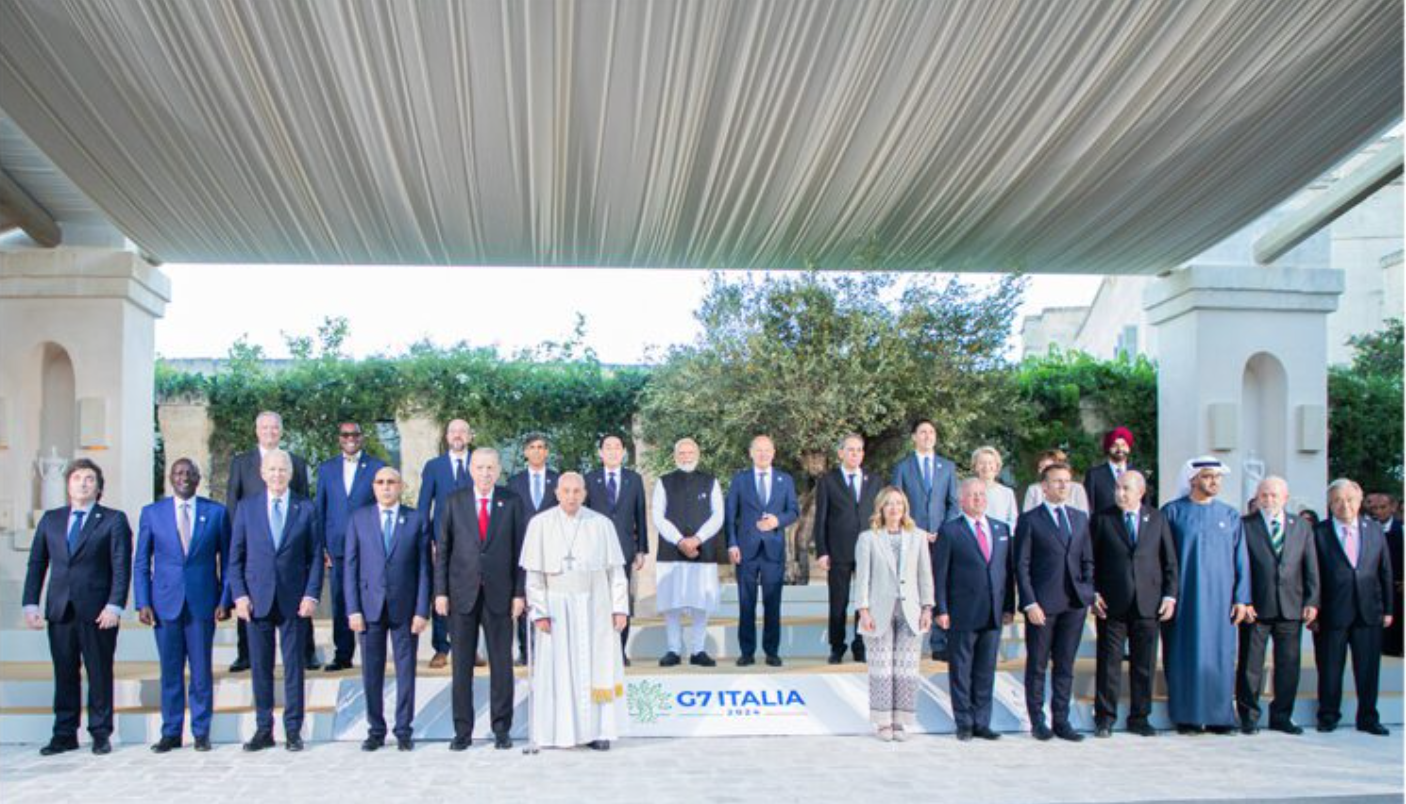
629	313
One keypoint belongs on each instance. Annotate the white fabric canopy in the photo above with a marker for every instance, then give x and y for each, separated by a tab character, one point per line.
1049	136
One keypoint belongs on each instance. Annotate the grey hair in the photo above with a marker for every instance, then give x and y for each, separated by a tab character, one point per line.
486	452
1343	483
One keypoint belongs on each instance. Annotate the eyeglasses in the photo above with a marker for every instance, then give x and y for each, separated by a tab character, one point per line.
349	435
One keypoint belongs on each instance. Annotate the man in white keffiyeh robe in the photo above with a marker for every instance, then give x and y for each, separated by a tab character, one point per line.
578	599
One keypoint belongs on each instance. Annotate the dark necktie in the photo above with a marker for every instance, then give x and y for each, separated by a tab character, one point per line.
458	472
388	531
927	473
854	487
75	528
761	489
1064	529
1130	519
1276	537
612	490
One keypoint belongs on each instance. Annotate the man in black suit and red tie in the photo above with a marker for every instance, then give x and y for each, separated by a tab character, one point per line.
844	502
477	584
1135	588
1054	570
618	493
1284	597
86	550
1355	607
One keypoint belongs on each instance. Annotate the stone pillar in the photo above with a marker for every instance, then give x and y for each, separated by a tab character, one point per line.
186	428
1243	375
420	440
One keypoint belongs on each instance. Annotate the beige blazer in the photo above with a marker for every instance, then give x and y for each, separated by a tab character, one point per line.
877	582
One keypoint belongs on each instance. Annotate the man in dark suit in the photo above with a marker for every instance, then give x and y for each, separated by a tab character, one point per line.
275	576
1284	596
182	553
929	481
618	493
443	475
1101	482
1135	588
246	480
1054	570
343	486
975	580
86	550
1355	572
536	489
844	503
388	580
761	504
477	584
1385	509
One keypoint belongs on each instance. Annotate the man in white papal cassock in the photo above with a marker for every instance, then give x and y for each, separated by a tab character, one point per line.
578	600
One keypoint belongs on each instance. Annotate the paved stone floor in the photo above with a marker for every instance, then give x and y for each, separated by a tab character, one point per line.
1341	767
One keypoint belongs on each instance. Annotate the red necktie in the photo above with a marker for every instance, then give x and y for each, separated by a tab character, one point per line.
982	542
483	519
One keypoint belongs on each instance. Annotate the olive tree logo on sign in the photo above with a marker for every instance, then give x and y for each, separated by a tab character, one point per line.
647	700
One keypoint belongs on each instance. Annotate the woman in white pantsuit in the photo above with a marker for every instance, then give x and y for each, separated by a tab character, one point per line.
894	595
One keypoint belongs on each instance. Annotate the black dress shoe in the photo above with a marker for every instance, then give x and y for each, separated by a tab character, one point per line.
101	746
1103	731
259	741
337	667
1041	732
57	746
859	654
372	743
702	659
460	743
1068	734
745	661
985	733
404	744
669	659
964	735
1142	729
1249	728
312	664
1376	729
773	661
166	744
1189	729
599	745
239	665
1222	731
625	660
293	742
202	744
836	657
941	656
1327	728
1287	727
502	742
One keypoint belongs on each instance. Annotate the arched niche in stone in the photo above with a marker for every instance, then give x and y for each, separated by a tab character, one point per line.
58	422
1264	421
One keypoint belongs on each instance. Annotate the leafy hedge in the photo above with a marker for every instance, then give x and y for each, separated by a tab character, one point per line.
1365	412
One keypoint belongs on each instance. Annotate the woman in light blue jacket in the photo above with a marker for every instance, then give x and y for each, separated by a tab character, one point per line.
894	596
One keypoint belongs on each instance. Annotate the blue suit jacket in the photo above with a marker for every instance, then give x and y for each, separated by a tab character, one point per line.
264	575
974	593
744	508
397	584
1048	571
165	577
929	510
334	505
436	484
93	576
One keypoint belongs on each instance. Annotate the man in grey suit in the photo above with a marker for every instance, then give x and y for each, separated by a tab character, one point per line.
929	481
1284	597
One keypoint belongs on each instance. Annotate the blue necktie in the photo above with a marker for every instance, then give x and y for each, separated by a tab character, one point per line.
458	472
854	486
75	528
1064	529
927	473
536	491
276	523
612	491
388	531
1131	521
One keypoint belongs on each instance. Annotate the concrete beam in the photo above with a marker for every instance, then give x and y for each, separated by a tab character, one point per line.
28	213
1341	196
